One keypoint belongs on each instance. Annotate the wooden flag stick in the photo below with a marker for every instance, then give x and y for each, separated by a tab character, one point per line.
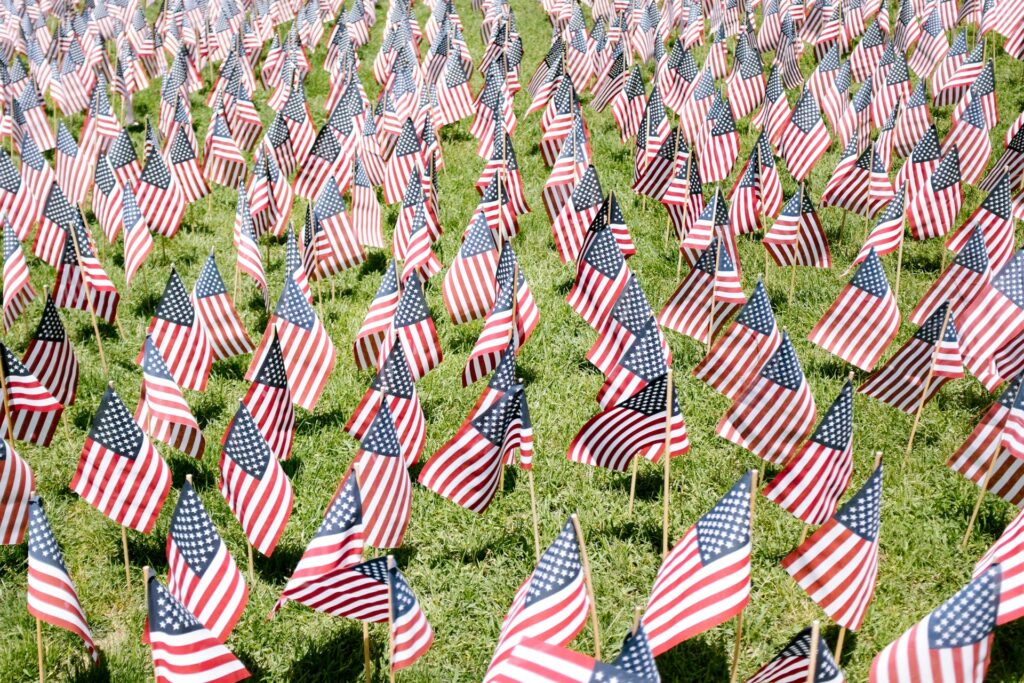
638	612
839	644
367	664
675	153
927	383
39	651
589	583
714	288
248	547
899	271
533	509
812	668
739	617
799	218
665	468
632	482
391	626
989	468
92	306
124	549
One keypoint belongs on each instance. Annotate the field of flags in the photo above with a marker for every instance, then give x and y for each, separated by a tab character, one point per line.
552	340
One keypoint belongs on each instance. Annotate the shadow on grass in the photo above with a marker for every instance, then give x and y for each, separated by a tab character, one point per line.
337	657
86	672
635	532
694	660
145	303
648	482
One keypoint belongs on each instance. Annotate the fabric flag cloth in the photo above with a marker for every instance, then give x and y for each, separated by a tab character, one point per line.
749	341
411	633
119	472
52	596
253	483
931	356
337	545
812	481
201	574
182	647
630	319
469	285
531	659
804	139
551	605
177	331
269	401
247	252
775	411
413	324
1006	551
162	411
17	482
50	356
967	276
138	242
601	275
993	319
951	643
705	579
17	290
707	297
935	206
863	319
372	334
797	237
887	234
384	482
308	353
837	566
217	314
29	409
982	457
81	281
793	663
995	220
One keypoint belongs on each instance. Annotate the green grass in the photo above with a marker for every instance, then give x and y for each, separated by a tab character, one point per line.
465	568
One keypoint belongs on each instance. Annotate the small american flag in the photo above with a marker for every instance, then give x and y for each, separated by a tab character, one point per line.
119	472
16	198
970	135
629	104
469	285
19	482
411	633
935	206
994	318
178	333
707	297
72	171
224	163
371	335
160	198
81	281
253	483
722	144
534	660
57	216
201	574
830	84
184	164
804	140
628	318
455	100
913	122
793	663
18	291
712	222
404	159
960	283
31	412
601	275
887	234
337	544
217	314
569	167
863	319
366	211
774	114
746	89
551	605
1006	552
162	411
569	227
269	401
952	643
384	481
138	242
50	356
123	159
248	259
775	411
181	645
995	220
859	183
812	481
51	592
705	579
413	324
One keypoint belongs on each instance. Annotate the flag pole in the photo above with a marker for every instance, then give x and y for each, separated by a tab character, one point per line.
812	668
367	665
989	468
638	612
839	644
589	583
686	207
665	468
145	592
739	617
533	506
899	268
39	650
632	483
88	299
799	218
675	153
927	383
714	286
124	549
391	625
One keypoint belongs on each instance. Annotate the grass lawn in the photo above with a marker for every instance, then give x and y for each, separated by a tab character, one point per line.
465	568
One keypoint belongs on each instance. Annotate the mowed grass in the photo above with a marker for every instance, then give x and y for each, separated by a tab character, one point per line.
465	567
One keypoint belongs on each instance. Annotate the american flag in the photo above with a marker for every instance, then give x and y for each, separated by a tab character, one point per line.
643	358
556	121
913	122
162	411
17	199
658	174
933	350
18	291
982	452
269	401
394	381
56	218
337	544
628	319
932	46
636	426
366	209
119	472
775	411
611	78
970	135
960	283
636	657
746	89
705	579
830	85
814	478
179	334
161	199
308	353
33	411
469	285
773	116
201	574
887	234
534	660
277	145
1006	553
653	131
995	220
994	318
466	469
138	242
601	274
983	88
299	121
253	483
418	255
747	344
569	167
793	663
323	155
551	605
411	633
1011	163
184	164
217	314
72	167
384	481
863	319
707	297
17	483
951	643
745	195
629	104
934	207
857	117
223	160
866	55
36	174
804	139
722	144
51	592
404	159
859	183
413	324
247	252
838	565
371	335
50	356
182	647
570	226
355	591
454	97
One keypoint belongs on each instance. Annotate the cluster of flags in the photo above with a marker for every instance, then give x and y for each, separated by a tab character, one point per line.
861	95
